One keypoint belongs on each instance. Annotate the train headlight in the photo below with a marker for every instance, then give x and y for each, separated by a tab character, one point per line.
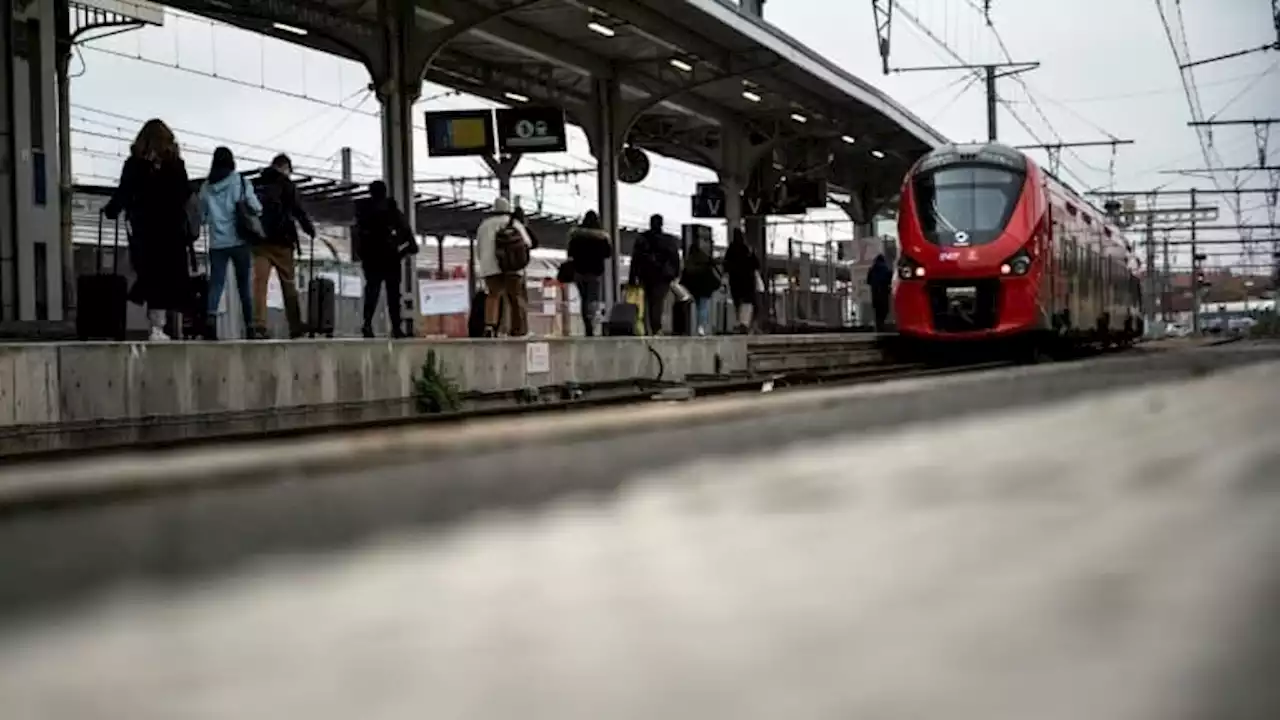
909	270
1019	264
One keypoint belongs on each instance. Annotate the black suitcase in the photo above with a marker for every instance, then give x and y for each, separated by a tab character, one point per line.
622	320
102	298
322	298
321	302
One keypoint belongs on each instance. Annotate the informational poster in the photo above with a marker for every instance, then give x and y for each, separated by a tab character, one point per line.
444	297
537	358
349	284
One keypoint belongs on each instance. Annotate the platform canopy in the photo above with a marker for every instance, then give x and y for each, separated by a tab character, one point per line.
690	71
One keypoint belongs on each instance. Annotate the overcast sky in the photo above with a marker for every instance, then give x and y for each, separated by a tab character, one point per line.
1107	69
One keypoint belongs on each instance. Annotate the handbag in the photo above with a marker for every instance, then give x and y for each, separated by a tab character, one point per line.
248	224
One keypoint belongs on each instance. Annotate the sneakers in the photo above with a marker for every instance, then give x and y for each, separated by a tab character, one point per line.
158	335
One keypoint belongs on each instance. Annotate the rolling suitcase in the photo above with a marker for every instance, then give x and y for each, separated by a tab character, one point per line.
321	300
102	298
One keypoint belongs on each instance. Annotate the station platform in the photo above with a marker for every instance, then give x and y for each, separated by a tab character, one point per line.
59	383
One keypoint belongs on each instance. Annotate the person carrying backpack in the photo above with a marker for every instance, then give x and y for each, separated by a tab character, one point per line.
502	253
279	247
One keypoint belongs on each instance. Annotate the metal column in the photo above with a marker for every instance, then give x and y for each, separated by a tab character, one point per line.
607	143
397	93
1195	275
8	184
992	101
31	256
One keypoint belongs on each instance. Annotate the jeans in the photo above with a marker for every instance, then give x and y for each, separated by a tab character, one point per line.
242	259
376	276
702	310
589	297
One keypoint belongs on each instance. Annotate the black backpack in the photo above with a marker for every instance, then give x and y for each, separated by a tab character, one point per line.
510	249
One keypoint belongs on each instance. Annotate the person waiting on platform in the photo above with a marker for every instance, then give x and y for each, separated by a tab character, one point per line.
655	264
589	249
880	280
502	253
701	277
224	192
381	239
153	193
278	250
743	268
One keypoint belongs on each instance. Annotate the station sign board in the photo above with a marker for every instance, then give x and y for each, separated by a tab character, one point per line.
531	130
792	197
459	133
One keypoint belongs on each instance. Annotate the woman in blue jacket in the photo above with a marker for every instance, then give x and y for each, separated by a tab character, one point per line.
222	190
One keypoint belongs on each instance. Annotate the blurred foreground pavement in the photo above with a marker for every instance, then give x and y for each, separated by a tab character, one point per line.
1098	559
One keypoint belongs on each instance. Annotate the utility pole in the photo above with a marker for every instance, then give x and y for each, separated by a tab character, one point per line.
883	11
1166	303
991	72
1195	275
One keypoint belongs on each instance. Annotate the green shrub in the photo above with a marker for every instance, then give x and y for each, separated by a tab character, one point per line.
434	390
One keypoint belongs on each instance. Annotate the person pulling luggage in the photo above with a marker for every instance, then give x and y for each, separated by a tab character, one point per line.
279	248
154	194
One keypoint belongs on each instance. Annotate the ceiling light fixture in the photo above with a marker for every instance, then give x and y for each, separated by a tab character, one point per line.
289	28
604	30
799	118
516	96
877	154
679	64
750	96
848	138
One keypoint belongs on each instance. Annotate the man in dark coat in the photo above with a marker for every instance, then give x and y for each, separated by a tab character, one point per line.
655	264
880	280
381	239
278	250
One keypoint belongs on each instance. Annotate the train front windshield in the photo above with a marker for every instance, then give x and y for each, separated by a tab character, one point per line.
966	205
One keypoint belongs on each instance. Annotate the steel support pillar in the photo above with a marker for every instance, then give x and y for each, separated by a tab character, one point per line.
31	255
502	169
606	145
397	90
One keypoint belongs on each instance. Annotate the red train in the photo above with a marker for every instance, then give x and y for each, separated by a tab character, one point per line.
995	248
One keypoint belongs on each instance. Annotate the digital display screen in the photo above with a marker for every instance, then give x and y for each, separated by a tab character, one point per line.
459	133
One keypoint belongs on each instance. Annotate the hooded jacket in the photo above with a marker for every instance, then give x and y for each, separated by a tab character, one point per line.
487	235
218	198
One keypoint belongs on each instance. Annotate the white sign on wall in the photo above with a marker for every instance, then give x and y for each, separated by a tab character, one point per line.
537	358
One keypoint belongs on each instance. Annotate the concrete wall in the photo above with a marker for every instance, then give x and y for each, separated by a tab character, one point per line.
83	382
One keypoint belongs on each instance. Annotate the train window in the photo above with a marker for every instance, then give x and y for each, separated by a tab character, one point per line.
966	204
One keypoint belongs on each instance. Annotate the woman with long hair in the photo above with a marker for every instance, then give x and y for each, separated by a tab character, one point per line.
223	193
153	193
